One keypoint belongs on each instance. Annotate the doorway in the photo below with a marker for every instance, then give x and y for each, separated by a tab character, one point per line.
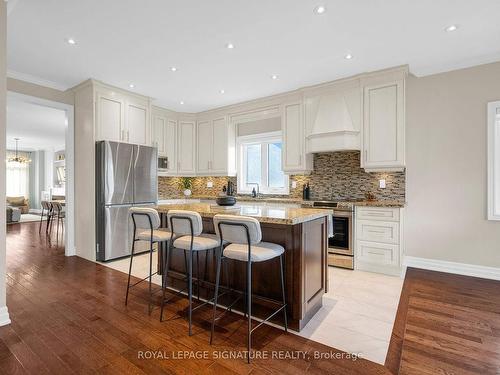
45	142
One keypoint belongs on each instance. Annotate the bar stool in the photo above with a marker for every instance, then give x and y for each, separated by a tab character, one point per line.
146	223
58	214
46	212
244	236
187	227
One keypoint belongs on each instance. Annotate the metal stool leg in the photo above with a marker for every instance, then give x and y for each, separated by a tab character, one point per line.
41	221
216	293
150	274
166	265
130	270
190	290
198	274
249	307
282	270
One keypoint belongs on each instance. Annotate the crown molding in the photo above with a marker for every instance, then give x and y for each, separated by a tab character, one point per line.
36	80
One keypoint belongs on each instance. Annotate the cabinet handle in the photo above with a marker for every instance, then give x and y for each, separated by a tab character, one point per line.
300	159
366	155
128	139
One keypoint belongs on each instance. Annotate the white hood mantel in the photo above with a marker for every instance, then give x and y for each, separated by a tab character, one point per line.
333	119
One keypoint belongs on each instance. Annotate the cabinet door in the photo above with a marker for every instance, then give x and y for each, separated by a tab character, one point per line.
159	134
204	143
110	124
137	124
220	149
186	152
292	125
171	146
383	126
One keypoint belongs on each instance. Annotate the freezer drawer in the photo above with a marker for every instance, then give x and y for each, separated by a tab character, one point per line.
115	233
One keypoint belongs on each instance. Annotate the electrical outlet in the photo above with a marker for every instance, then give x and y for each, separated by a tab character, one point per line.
210	184
294	184
381	184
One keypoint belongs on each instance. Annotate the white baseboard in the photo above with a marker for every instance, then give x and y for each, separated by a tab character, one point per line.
4	316
484	272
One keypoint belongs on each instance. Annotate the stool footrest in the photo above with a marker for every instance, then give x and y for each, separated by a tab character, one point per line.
144	279
269	317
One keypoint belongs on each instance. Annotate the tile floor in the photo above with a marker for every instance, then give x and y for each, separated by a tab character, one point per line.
357	314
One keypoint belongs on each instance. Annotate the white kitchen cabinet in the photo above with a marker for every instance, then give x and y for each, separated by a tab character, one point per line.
171	147
110	122
121	116
294	157
165	138
216	148
159	133
383	145
205	146
138	126
186	148
378	239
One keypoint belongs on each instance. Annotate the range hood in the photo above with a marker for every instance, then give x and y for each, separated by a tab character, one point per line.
333	121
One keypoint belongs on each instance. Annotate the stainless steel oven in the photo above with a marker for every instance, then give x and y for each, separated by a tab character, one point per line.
340	234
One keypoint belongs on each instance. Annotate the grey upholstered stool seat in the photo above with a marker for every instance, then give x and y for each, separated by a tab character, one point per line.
159	235
260	253
243	239
201	242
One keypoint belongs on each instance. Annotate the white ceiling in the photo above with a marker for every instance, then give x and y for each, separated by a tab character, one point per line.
132	41
37	126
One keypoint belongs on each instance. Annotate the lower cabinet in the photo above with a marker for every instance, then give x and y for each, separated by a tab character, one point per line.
378	239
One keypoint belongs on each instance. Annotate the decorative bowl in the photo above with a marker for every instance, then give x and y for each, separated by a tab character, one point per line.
226	201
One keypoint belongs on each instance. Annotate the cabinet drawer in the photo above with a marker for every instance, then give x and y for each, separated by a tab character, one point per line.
377	231
377	253
377	213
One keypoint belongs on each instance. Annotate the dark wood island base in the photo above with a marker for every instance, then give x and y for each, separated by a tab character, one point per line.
305	272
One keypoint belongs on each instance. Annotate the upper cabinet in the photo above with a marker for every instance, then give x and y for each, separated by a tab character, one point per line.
165	138
216	147
383	136
121	116
186	148
294	157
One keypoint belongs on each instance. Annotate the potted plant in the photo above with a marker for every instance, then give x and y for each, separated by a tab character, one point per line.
187	184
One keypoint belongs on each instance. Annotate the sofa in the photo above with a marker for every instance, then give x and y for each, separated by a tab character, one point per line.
21	203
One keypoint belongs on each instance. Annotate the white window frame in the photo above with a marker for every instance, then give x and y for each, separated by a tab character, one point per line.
493	160
263	139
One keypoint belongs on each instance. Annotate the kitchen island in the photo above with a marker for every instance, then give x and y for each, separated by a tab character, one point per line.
303	232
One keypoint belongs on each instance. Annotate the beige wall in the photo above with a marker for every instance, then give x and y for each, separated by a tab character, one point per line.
38	91
4	317
446	167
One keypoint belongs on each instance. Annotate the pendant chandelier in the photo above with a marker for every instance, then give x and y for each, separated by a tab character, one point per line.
17	158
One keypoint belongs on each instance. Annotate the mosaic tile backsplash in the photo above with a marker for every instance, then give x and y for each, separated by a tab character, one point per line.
336	176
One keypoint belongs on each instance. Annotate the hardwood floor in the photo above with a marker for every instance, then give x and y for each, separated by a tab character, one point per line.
68	316
446	324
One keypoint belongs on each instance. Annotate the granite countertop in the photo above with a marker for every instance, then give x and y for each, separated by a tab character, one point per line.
366	203
263	213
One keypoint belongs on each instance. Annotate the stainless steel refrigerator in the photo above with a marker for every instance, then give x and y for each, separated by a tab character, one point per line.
126	176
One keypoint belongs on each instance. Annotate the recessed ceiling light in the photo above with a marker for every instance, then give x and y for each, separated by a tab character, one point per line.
181	102
348	56
173	68
131	85
71	41
230	46
222	91
451	28
274	76
320	9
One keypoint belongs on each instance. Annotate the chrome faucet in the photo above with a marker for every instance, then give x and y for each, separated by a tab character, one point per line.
255	194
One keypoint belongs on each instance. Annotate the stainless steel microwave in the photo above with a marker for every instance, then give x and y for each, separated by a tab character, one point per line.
163	162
